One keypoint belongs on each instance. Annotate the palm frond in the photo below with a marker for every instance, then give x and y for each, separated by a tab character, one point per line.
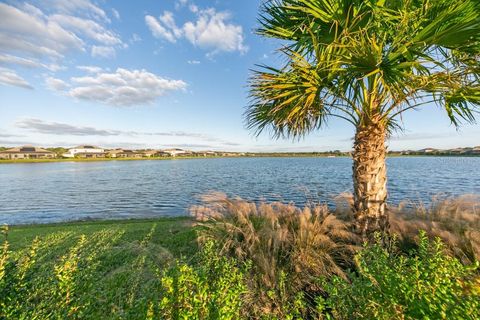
366	60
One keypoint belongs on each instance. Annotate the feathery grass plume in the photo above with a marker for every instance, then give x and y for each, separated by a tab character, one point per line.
280	240
455	220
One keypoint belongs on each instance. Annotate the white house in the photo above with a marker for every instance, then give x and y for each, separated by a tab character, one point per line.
85	152
176	152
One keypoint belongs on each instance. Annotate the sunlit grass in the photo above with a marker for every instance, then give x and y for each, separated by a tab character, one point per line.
95	270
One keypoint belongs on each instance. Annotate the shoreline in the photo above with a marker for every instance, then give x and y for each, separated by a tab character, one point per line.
220	157
177	233
99	221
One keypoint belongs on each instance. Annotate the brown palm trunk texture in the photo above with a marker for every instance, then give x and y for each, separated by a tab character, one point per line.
370	179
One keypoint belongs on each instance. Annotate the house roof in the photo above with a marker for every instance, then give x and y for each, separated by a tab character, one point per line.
26	149
85	147
174	149
90	152
117	151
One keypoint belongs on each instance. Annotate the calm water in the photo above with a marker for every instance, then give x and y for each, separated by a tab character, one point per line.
50	192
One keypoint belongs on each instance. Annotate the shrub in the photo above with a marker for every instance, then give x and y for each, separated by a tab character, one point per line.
212	290
427	284
35	285
289	248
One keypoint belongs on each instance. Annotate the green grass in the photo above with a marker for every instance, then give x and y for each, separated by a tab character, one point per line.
174	234
95	269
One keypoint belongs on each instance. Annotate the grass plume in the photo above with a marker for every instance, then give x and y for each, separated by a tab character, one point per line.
285	244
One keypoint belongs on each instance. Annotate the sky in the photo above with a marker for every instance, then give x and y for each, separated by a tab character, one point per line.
156	74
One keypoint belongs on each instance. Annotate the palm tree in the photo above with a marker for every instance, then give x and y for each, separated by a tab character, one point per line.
367	62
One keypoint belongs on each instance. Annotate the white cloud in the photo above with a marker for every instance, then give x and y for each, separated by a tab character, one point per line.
7	59
85	7
169	21
34	35
32	10
122	87
87	28
193	62
40	34
116	14
135	38
65	129
180	3
103	52
55	84
27	63
90	69
158	30
193	8
211	31
10	77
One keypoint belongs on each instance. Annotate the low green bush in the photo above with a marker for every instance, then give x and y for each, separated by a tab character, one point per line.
213	290
426	284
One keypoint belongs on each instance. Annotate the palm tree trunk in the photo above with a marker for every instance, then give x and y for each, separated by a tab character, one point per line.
370	179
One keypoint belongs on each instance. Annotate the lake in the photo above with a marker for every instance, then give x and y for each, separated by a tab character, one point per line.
61	191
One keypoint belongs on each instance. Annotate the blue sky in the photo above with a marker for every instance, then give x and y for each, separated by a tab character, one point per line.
154	74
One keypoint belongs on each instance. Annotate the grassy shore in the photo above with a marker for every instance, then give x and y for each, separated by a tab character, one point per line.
109	268
173	234
256	155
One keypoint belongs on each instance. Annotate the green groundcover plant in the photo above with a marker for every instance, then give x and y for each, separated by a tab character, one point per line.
212	290
426	284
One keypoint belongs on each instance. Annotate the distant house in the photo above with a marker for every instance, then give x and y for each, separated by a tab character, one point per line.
155	153
207	153
476	150
457	151
150	153
27	152
85	152
122	153
231	154
428	150
176	152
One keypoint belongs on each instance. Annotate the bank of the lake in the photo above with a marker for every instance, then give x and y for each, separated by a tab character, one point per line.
174	234
103	159
111	268
255	155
